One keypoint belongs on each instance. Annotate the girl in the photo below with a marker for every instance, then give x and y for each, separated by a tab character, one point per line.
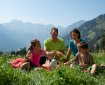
35	57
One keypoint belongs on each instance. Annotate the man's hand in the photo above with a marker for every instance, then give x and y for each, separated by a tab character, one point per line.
59	54
53	53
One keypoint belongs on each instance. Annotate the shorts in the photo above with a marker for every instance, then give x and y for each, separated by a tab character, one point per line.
32	66
42	60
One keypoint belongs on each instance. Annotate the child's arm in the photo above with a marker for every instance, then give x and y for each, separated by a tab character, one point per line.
45	54
70	62
67	63
28	55
75	59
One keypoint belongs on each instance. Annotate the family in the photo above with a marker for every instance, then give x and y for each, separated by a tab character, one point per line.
54	48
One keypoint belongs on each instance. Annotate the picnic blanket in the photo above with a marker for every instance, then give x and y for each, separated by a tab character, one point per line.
17	62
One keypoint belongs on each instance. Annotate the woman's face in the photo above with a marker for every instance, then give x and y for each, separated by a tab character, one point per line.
74	35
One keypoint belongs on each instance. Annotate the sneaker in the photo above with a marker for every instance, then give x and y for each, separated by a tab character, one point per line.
53	64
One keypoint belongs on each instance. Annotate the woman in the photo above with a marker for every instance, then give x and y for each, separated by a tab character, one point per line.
76	38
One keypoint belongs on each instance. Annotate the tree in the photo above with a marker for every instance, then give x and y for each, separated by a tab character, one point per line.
97	47
1	52
21	51
103	42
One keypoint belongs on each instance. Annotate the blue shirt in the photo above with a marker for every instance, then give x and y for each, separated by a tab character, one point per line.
73	46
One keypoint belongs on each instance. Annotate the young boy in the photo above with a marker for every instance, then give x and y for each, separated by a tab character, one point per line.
84	58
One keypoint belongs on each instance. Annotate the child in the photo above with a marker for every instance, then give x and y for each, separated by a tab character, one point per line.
84	58
35	57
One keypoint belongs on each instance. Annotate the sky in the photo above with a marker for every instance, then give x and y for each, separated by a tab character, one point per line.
56	12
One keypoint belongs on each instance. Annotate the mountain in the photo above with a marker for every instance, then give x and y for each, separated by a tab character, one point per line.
6	41
18	34
91	31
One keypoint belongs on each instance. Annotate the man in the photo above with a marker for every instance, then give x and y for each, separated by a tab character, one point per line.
54	46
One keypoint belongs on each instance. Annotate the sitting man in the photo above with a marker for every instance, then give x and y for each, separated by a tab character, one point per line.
54	46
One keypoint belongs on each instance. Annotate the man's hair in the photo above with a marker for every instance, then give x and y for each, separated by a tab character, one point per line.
55	29
83	45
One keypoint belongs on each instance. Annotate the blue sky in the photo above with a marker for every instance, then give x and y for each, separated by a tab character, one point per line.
57	12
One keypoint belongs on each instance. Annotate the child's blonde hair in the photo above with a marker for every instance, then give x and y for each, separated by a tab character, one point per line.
33	43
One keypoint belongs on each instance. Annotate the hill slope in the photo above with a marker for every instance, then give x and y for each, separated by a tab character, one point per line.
91	31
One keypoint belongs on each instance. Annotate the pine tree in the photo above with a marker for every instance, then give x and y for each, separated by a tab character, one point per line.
103	42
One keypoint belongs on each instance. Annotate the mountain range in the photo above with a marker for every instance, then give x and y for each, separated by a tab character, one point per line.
91	31
16	34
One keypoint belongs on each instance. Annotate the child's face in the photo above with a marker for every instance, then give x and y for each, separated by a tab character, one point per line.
37	46
81	50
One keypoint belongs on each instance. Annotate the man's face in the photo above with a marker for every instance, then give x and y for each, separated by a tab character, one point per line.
54	35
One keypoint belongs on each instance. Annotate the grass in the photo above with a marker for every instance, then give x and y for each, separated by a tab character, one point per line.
60	76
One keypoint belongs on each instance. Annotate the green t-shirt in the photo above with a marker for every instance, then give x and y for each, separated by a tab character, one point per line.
58	45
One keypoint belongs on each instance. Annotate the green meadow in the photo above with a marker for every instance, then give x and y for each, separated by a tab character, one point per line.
64	75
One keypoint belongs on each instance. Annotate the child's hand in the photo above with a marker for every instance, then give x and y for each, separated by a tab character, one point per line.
83	65
27	58
67	63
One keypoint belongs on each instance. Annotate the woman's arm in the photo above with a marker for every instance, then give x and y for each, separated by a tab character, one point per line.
68	53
